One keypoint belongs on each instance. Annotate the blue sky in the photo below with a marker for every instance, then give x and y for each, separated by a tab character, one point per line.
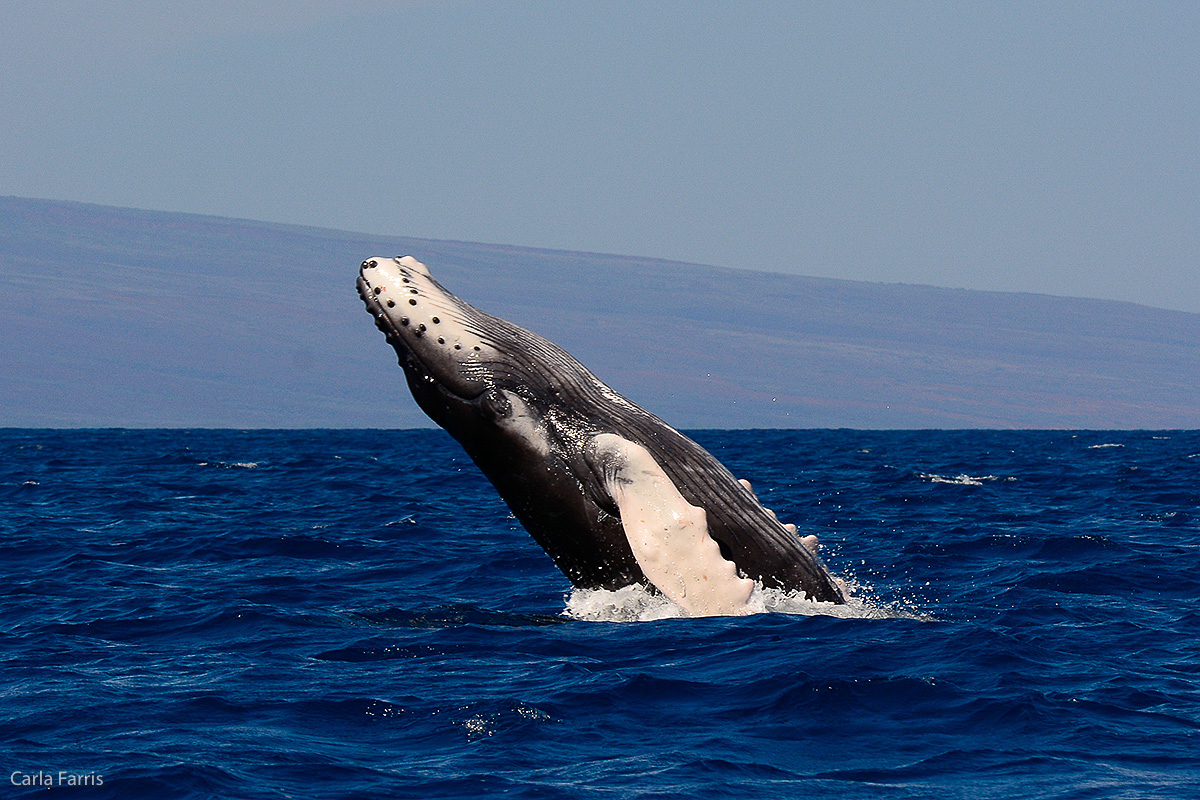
1051	147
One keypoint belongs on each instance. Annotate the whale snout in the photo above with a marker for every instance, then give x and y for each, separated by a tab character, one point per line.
406	263
403	297
430	328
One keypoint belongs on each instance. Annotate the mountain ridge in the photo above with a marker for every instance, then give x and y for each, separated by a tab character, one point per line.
184	320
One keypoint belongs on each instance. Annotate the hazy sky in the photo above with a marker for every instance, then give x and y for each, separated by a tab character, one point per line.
1050	147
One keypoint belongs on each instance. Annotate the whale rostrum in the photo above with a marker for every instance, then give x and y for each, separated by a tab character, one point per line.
612	493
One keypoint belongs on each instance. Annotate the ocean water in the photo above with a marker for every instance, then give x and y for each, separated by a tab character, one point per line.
354	614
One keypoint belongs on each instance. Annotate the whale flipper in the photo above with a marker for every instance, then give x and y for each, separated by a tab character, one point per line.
668	535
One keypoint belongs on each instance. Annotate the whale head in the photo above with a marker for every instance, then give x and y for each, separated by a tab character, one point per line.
464	366
440	339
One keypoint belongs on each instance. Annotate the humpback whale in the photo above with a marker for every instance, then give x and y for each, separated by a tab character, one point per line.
614	495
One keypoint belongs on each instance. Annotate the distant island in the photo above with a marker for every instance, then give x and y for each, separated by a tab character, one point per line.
114	317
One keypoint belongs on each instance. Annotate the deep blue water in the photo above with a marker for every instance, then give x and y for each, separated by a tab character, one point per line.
329	614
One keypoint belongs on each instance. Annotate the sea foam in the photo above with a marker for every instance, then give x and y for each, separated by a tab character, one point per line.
638	604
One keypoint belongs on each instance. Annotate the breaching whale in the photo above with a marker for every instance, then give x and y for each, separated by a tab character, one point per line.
612	493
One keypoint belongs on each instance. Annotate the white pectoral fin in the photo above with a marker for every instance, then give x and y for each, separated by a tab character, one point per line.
668	535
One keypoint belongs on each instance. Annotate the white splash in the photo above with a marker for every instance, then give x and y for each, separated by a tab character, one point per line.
629	604
636	604
960	480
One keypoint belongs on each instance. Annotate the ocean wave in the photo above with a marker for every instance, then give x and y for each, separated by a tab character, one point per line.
359	616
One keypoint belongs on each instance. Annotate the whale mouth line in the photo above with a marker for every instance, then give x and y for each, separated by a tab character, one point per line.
393	335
